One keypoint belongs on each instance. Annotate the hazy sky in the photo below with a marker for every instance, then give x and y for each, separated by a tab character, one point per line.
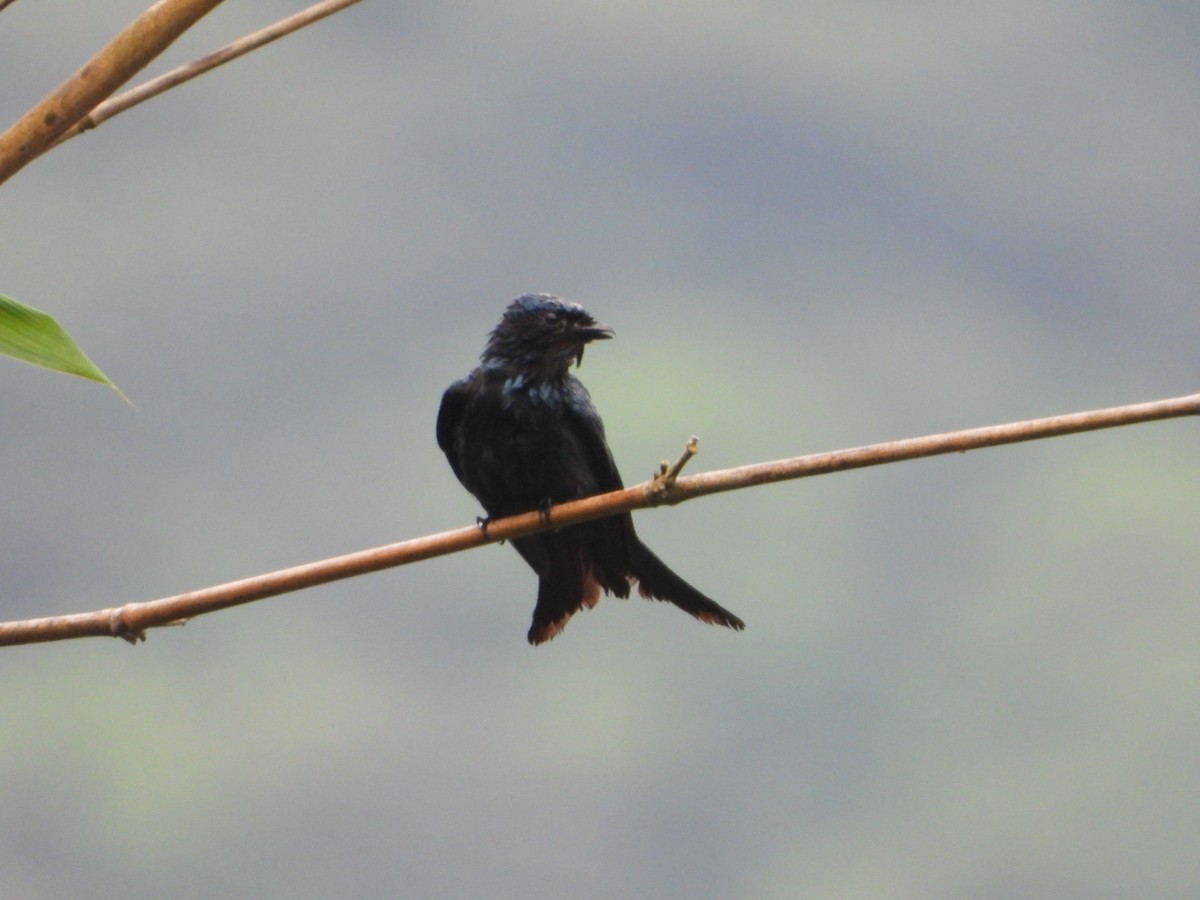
812	226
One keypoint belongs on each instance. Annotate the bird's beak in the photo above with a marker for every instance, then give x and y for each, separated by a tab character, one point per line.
597	331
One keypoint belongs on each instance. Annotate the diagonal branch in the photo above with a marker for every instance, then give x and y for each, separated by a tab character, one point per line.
131	620
155	86
128	53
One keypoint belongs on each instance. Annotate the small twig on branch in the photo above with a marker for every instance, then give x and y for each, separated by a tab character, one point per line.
125	55
659	490
168	80
131	620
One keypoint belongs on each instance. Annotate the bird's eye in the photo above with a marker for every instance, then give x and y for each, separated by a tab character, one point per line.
551	318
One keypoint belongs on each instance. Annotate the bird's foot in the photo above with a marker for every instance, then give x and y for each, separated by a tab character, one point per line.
544	509
482	522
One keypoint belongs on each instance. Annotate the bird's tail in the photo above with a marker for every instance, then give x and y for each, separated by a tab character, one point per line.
567	585
657	582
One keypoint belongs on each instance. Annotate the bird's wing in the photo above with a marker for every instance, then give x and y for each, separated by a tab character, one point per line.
584	421
605	543
454	401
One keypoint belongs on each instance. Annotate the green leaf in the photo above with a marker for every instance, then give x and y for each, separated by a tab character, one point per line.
33	336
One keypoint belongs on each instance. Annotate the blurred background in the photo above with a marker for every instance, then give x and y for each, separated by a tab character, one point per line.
812	226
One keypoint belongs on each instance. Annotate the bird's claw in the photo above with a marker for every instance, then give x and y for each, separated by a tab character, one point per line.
544	509
482	522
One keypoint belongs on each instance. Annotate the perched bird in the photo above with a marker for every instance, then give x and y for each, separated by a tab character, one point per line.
521	433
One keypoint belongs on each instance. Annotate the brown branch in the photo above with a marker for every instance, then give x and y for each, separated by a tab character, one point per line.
930	445
168	80
125	55
131	621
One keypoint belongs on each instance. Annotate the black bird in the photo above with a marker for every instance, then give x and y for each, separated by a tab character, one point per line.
521	432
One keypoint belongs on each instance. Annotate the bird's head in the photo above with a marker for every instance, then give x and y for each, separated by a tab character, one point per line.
543	332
